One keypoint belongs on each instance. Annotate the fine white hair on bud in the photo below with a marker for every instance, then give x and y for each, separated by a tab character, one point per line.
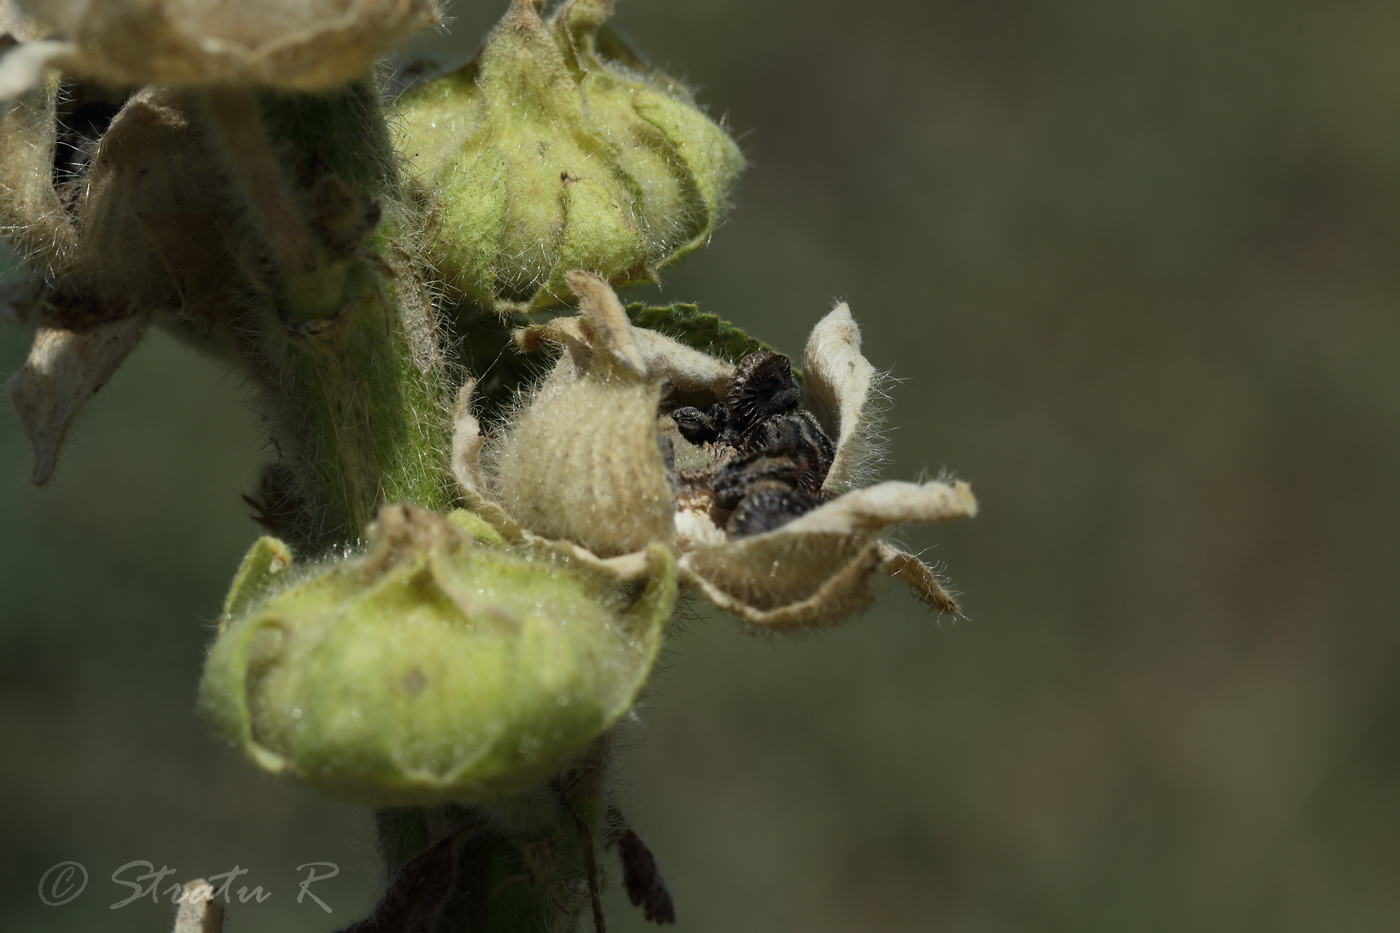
758	497
436	666
559	148
582	460
841	391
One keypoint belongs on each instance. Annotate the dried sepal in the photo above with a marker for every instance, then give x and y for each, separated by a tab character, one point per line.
900	565
136	222
840	389
893	502
151	227
832	580
128	238
821	567
64	369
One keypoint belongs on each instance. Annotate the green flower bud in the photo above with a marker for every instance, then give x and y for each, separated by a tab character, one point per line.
557	148
436	667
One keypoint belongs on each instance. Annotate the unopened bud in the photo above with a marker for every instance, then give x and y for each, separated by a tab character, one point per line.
436	667
558	148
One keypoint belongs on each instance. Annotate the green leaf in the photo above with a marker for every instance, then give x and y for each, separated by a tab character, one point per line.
708	333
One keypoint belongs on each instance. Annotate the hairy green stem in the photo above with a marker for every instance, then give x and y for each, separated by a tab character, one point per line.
523	864
347	350
346	345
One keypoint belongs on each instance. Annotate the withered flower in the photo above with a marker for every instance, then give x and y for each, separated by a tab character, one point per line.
765	512
128	237
300	45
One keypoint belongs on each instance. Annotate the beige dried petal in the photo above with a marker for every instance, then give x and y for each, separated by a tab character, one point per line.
890	503
310	45
680	367
839	391
676	365
62	372
822	592
605	316
660	357
23	66
820	567
768	572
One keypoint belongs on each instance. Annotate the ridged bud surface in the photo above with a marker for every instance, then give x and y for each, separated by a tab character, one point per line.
558	148
437	667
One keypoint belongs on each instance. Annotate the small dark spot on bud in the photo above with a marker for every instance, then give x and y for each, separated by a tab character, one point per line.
415	682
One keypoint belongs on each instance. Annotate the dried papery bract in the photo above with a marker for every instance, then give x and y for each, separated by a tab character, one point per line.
135	234
558	148
821	567
64	369
435	667
303	45
31	214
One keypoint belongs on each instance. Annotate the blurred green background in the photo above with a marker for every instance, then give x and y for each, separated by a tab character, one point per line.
1136	263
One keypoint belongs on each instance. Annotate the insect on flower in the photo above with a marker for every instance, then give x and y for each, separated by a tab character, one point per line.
757	496
775	455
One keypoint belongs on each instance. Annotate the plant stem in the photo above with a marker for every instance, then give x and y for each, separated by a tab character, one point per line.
346	348
345	344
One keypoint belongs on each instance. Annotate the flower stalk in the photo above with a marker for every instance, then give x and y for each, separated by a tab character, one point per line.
345	339
466	587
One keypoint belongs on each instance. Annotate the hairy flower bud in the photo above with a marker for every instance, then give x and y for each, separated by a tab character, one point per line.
583	460
436	667
558	148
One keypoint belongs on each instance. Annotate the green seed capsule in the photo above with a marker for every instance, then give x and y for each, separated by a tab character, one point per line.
437	667
557	148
